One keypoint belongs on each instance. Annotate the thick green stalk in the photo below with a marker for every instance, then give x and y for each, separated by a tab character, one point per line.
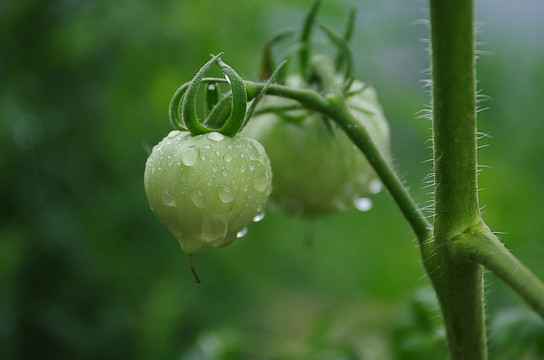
457	281
454	114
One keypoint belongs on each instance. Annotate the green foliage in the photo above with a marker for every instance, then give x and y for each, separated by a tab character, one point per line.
87	272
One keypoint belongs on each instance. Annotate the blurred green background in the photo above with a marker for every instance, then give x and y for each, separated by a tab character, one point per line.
88	272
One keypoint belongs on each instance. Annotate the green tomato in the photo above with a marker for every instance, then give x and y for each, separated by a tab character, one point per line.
317	168
207	188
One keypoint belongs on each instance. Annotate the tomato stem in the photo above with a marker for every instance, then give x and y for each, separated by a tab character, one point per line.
193	269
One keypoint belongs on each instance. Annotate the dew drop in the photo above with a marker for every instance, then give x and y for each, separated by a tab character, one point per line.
172	134
207	146
243	168
225	194
245	186
362	204
261	183
375	186
259	216
225	172
227	158
215	136
214	230
251	166
189	156
215	168
198	199
241	233
158	147
167	198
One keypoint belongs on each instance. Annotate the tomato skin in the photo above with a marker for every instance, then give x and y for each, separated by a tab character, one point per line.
317	169
207	188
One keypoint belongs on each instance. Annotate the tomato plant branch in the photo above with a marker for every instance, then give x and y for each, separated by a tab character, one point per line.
334	107
480	245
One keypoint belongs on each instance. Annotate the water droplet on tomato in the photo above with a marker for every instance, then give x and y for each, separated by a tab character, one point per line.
261	183
227	158
198	199
362	204
214	230
167	198
215	136
189	156
225	194
172	134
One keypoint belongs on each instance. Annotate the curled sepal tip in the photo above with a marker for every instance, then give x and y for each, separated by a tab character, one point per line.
306	35
239	100
344	52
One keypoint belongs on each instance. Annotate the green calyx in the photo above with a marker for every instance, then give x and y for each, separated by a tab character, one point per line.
226	114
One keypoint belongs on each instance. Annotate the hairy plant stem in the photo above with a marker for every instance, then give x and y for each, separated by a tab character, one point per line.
480	245
458	281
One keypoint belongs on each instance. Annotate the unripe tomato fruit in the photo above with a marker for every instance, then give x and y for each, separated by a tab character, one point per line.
318	169
207	188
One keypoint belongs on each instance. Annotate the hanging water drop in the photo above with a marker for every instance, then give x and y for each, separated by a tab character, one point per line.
375	186
259	216
241	233
362	204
